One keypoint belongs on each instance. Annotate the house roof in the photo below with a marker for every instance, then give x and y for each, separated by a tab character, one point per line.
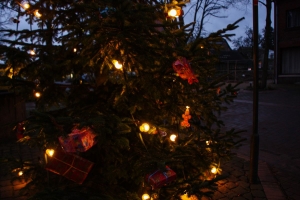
224	45
232	55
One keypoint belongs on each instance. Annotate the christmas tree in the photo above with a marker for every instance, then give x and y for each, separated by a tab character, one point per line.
141	113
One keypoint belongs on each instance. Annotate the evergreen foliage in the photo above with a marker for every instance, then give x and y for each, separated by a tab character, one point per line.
115	102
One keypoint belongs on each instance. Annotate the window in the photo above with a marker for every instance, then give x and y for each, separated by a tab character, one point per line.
293	18
291	60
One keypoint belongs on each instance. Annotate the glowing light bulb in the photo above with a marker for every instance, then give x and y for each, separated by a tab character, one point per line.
173	137
187	111
186	197
172	13
25	6
32	52
117	64
145	196
20	173
50	152
37	94
145	127
214	170
37	14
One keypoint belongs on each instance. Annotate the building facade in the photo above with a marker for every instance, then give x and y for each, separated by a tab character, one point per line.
287	41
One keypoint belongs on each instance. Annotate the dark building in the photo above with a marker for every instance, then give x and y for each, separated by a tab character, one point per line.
287	40
233	63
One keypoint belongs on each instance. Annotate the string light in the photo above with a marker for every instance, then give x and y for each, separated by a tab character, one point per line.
117	64
186	197
145	127
175	12
50	152
214	170
173	137
20	173
37	94
37	14
25	6
145	196
32	52
172	12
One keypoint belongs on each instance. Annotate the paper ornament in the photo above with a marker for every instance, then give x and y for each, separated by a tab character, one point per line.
80	140
186	116
183	69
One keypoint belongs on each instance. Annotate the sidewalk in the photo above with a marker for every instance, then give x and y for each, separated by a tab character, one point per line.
279	138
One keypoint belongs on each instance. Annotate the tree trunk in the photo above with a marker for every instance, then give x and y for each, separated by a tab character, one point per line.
267	45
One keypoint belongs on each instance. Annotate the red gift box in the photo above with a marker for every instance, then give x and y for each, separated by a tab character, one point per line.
160	178
78	141
71	166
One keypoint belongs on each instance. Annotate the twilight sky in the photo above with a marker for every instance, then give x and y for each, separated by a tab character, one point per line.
234	14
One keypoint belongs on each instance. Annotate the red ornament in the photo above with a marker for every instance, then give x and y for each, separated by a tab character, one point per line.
79	140
218	90
183	69
70	166
20	130
160	178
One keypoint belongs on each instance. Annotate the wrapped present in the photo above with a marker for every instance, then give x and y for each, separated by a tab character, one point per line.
184	70
160	178
70	166
78	141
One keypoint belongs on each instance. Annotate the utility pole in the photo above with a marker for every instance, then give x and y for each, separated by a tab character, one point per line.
254	148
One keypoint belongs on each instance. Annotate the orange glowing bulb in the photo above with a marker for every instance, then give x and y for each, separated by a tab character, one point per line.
173	137
50	152
145	197
37	14
20	173
145	127
37	94
26	6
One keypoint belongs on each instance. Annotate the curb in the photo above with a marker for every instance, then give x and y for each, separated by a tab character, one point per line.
270	185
